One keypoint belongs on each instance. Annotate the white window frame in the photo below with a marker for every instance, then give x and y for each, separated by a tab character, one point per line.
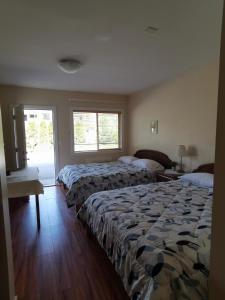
98	110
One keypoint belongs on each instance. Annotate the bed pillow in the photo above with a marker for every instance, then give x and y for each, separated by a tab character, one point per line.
148	164
199	179
127	159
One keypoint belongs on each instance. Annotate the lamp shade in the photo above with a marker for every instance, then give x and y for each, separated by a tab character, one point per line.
181	150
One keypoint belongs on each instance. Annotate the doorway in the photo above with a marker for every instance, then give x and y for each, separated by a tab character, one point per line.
39	131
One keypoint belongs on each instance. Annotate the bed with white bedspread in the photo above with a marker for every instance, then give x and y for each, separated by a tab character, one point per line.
82	180
157	236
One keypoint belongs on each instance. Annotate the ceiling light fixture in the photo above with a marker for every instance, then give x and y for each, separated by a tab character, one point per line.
69	65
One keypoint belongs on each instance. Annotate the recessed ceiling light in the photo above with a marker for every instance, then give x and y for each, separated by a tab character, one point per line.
151	29
69	65
103	37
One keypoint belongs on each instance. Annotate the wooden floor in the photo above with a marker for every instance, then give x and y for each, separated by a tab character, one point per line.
61	261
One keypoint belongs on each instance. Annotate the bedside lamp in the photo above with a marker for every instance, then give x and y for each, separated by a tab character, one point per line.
181	153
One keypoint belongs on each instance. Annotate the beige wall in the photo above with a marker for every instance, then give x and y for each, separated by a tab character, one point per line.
186	110
63	102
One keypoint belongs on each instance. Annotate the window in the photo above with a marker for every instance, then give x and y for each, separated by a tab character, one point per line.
94	131
33	116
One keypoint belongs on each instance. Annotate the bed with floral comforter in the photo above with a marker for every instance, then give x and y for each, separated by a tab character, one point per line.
157	236
82	180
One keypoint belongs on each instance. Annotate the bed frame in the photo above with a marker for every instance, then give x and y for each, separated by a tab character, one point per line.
158	156
206	168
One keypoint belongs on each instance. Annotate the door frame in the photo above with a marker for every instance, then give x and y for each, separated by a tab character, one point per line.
6	261
55	130
217	260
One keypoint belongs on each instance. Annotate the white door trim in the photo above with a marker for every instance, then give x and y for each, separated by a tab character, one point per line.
55	130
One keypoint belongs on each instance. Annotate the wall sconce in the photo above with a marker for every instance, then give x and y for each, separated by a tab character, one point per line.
154	126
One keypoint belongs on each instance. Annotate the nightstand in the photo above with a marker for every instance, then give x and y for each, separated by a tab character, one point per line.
161	176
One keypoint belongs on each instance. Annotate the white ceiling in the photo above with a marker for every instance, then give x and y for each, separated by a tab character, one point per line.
109	37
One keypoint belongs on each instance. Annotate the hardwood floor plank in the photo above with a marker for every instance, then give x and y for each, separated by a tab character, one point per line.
61	262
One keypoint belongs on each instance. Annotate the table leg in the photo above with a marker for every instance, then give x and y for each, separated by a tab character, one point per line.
38	211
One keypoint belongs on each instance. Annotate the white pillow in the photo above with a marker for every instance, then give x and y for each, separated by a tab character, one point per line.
199	179
148	164
127	159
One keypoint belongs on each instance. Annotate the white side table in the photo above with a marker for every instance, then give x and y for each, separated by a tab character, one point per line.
24	183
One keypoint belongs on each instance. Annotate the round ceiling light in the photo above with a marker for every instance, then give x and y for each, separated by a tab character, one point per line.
69	65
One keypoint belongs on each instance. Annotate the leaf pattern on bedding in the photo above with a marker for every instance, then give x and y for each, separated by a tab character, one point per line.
157	236
82	180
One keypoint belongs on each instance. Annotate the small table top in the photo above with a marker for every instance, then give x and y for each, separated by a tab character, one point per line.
24	182
172	172
168	175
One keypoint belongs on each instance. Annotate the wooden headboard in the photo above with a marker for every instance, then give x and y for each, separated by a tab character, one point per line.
158	156
206	168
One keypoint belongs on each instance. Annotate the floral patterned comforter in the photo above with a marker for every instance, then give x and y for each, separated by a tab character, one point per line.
82	180
157	236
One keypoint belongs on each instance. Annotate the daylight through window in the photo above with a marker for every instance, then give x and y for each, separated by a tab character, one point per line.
95	131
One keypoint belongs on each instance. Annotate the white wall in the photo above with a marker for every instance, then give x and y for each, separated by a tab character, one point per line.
186	110
64	101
